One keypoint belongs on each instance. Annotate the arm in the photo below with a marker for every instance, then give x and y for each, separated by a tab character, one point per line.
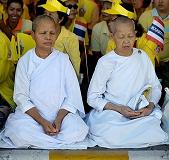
22	99
73	100
97	85
47	126
156	89
143	21
5	65
74	53
97	88
124	110
21	87
95	44
59	118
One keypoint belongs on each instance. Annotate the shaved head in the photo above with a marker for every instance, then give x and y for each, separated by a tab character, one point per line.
113	25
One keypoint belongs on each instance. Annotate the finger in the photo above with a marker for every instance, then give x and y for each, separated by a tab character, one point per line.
52	128
134	113
52	133
134	117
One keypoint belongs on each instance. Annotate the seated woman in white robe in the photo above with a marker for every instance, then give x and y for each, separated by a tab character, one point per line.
123	117
49	105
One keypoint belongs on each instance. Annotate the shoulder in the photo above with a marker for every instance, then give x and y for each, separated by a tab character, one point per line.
99	25
62	56
146	13
108	60
141	54
27	21
68	34
25	59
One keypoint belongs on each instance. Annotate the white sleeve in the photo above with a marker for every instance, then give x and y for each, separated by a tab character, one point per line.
21	88
73	100
97	87
155	83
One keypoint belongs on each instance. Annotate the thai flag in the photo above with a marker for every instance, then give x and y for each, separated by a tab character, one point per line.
80	29
156	32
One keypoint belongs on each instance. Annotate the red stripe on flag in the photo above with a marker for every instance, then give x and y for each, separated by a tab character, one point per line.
159	21
81	23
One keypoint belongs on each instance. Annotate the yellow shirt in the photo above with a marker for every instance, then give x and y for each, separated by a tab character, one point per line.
111	45
146	20
6	71
67	42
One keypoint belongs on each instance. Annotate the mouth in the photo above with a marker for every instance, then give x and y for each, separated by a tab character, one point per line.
48	43
126	47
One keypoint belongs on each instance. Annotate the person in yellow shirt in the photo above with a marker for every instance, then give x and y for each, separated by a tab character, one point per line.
78	25
66	41
91	12
3	4
100	32
140	6
6	80
15	23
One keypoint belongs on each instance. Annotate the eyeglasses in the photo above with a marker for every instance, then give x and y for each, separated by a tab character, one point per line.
70	6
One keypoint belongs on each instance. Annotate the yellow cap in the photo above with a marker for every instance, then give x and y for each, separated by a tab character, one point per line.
117	9
54	5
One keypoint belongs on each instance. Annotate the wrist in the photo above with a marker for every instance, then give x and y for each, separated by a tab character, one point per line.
110	106
151	105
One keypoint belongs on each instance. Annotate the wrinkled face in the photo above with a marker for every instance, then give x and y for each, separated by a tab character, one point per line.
106	5
14	12
124	37
162	5
54	15
72	5
137	4
45	36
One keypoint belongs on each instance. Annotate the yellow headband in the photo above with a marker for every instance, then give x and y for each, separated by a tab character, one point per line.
54	5
117	9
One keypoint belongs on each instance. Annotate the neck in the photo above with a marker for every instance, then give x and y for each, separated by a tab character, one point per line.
12	25
123	54
42	53
163	14
68	23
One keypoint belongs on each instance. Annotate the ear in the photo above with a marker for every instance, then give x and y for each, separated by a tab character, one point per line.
33	35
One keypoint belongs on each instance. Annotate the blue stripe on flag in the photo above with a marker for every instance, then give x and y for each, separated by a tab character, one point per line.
156	30
79	32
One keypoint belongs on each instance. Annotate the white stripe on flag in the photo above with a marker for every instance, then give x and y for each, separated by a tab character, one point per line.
80	38
152	34
158	24
80	27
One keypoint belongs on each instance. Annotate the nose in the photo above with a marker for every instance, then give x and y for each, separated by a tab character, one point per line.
126	40
47	36
15	12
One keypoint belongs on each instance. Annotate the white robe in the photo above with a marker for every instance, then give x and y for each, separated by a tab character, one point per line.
48	84
117	79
